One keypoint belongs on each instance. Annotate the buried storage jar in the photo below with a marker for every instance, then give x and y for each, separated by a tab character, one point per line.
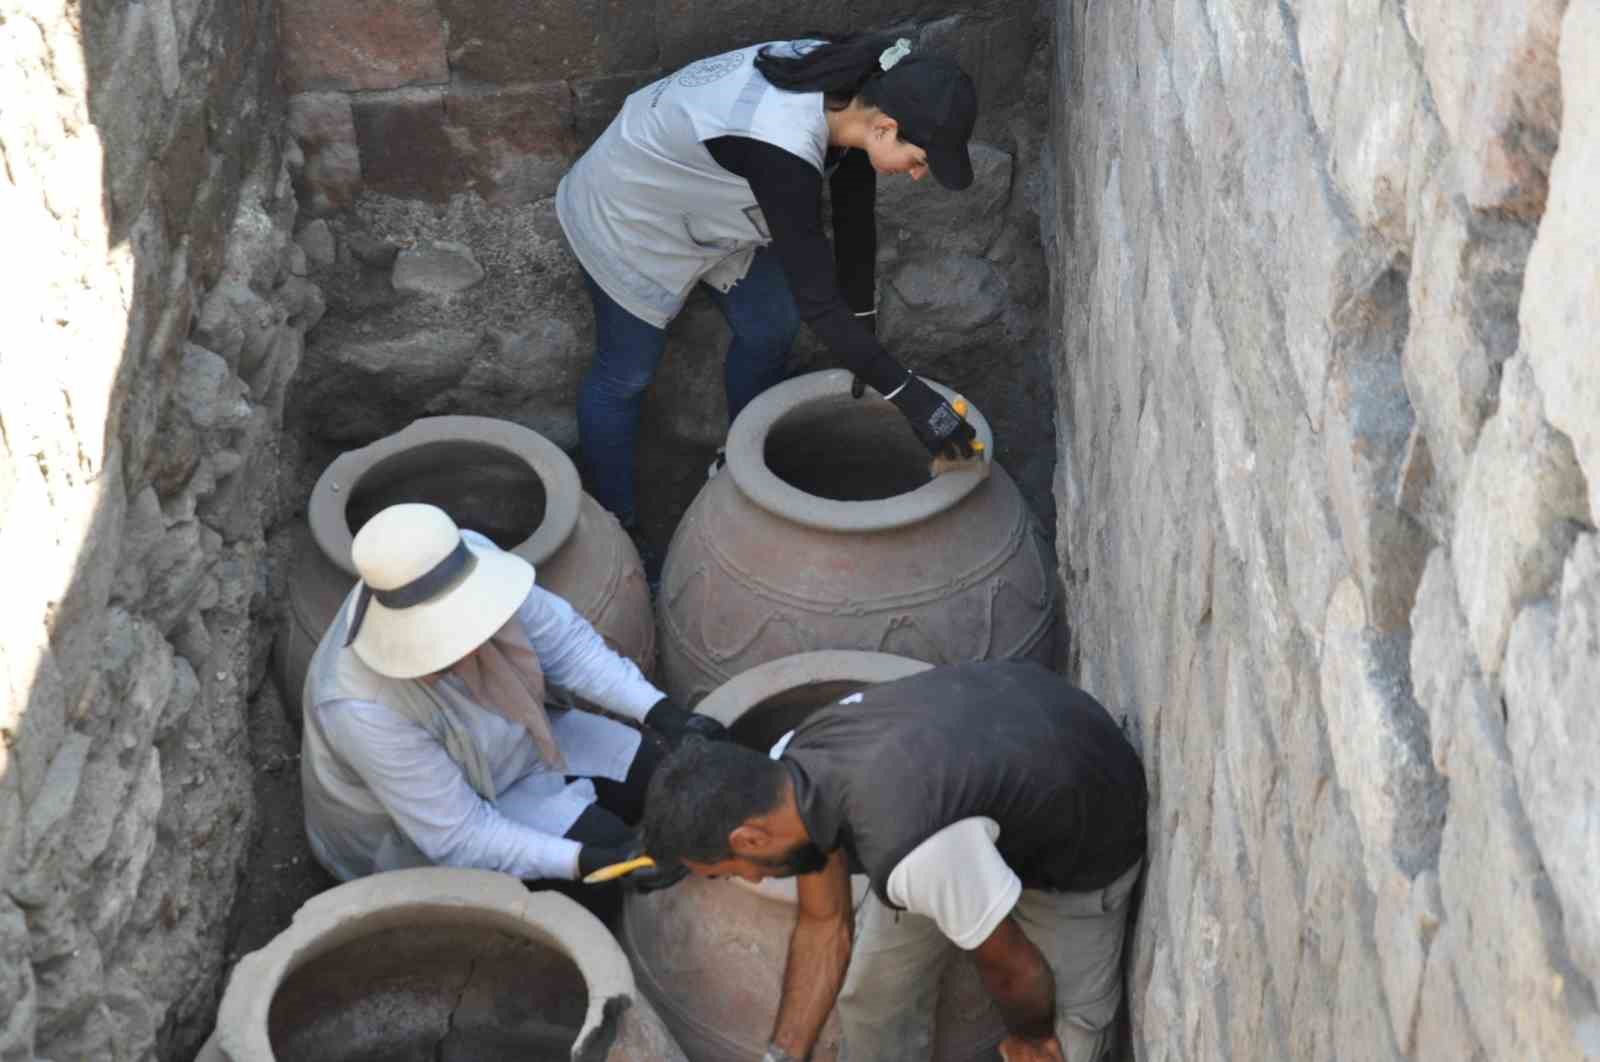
494	477
826	531
438	964
709	953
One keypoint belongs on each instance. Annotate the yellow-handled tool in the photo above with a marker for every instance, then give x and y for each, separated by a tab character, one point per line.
617	870
961	407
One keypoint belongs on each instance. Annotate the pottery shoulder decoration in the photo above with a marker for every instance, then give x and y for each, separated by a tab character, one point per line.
825	531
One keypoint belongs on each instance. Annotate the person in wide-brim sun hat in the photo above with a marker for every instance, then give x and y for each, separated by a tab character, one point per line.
430	596
427	735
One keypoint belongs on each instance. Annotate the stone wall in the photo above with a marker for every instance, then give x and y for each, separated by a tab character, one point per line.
434	132
155	309
1328	290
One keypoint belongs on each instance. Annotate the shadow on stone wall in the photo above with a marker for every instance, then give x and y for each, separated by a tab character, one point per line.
154	323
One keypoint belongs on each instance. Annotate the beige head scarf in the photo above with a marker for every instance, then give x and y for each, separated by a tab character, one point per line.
503	676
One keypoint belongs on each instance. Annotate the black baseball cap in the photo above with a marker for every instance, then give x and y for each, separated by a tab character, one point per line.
936	106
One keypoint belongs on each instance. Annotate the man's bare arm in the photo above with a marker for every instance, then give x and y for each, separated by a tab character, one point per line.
1019	979
819	954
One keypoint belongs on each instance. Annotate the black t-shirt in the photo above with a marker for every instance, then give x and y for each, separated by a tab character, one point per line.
1007	740
829	286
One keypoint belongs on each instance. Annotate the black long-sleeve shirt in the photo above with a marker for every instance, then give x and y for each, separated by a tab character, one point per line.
829	286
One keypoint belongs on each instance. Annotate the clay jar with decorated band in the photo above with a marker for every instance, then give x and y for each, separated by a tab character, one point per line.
825	530
492	476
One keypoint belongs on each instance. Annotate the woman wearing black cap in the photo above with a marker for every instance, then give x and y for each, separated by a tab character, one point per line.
714	174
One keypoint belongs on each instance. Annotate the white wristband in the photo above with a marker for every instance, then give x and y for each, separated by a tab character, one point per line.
867	313
902	386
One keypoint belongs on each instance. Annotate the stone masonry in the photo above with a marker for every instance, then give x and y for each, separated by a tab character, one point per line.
155	310
1327	282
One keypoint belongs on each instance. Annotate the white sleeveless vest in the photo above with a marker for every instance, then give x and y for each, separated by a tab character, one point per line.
649	212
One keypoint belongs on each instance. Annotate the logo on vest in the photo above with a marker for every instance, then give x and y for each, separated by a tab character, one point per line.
705	71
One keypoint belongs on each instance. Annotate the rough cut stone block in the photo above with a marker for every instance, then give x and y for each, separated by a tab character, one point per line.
1409	911
1444	1028
508	41
518	142
1561	304
316	242
1441	653
361	44
18	994
324	127
1310	534
1499	914
1361	1025
925	288
1366	93
596	100
1464	290
1367	426
1552	679
336	383
406	147
1380	740
926	218
1515	522
1496	85
531	377
436	267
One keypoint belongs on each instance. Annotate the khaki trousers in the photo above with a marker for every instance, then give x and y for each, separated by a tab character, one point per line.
887	1003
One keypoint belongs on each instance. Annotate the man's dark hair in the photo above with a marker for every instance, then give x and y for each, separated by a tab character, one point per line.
701	794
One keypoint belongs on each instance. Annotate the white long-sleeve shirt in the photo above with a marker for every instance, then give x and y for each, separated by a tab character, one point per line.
382	792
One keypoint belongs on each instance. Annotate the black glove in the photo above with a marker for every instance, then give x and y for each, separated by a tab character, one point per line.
593	857
675	723
941	429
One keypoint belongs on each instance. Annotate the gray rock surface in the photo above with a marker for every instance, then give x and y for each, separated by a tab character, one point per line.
437	268
1553	732
1325	386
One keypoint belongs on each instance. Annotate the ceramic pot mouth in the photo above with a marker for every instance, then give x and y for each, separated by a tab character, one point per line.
530	485
357	918
807	452
761	704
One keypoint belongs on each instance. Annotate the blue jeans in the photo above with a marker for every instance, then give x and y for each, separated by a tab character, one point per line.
764	318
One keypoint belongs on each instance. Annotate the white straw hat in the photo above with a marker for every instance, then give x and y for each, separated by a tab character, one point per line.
428	597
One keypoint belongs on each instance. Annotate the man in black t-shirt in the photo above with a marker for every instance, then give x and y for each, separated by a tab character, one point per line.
993	807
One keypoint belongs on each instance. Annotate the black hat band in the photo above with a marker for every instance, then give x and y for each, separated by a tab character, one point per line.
419	591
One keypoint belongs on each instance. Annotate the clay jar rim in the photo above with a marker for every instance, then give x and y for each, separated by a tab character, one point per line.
746	453
729	703
395	899
330	526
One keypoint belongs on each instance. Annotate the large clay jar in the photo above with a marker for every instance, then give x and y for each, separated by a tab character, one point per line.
825	531
492	476
710	953
438	963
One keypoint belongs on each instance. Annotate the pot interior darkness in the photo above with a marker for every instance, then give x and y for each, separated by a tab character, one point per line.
431	993
765	722
483	488
846	449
